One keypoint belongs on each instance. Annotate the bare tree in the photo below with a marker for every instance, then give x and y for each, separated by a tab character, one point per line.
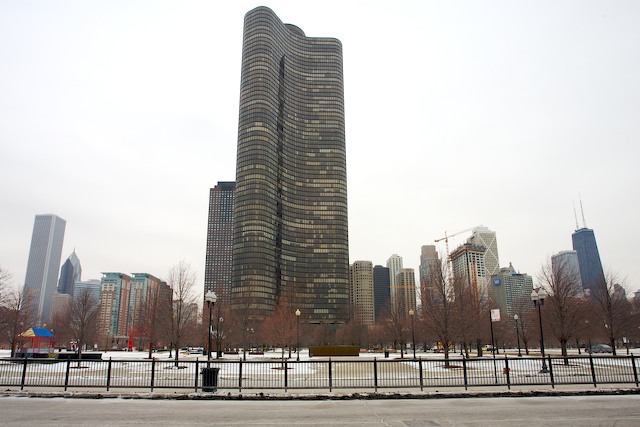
14	318
5	285
438	309
80	320
393	327
181	317
354	332
279	329
564	308
471	310
612	309
158	302
526	319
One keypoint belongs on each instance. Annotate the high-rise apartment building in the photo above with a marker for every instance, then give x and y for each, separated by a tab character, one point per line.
591	272
290	233
70	273
217	271
362	300
403	293
114	305
512	290
482	236
143	288
467	264
394	264
381	290
43	266
430	272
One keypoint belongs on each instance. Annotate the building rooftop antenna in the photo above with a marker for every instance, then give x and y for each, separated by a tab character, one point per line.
584	223
575	215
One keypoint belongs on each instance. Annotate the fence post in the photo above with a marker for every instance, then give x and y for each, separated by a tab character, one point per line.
66	375
197	373
421	376
153	371
593	370
507	371
240	376
24	373
464	370
553	383
286	375
330	376
109	374
635	370
375	374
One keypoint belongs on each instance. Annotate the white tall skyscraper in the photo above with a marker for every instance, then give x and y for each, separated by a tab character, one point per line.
394	264
482	236
43	266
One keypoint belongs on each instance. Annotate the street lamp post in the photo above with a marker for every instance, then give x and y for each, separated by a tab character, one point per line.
413	335
516	317
210	297
298	333
537	297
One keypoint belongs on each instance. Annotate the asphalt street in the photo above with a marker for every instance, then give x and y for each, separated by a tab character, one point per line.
620	410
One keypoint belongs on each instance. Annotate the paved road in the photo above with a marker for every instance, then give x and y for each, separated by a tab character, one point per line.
621	410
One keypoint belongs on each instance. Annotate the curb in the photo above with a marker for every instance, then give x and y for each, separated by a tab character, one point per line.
330	396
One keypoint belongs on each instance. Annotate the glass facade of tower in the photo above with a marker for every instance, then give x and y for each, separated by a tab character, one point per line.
70	273
381	290
591	272
290	233
430	272
41	280
217	271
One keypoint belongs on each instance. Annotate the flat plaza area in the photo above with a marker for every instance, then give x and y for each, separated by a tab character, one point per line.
623	410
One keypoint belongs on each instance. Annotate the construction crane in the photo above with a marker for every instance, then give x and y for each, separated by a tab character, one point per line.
446	243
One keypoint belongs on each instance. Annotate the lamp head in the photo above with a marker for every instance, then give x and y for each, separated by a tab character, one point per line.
210	297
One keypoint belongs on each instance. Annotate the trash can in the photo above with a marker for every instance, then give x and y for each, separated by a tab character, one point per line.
210	379
386	354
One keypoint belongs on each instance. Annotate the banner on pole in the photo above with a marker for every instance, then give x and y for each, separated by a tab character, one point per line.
495	315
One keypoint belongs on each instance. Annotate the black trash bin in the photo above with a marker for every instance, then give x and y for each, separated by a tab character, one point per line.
386	354
210	379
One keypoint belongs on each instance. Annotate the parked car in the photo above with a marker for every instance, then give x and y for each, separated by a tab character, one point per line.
196	350
599	348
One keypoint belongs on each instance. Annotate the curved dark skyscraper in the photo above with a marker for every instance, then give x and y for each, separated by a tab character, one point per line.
290	234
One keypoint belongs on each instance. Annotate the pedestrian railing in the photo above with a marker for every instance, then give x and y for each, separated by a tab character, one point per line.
332	373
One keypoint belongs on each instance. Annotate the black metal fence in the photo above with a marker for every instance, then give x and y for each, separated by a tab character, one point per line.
370	374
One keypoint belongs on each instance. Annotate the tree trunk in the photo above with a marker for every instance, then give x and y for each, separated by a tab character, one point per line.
565	354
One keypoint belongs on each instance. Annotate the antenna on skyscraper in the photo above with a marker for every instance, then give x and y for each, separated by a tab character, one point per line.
575	215
584	223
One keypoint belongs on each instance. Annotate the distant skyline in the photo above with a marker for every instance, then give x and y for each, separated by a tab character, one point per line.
120	116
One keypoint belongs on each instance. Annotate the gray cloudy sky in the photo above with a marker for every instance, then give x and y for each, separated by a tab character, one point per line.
119	116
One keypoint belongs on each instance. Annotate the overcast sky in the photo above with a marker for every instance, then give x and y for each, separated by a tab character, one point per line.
118	116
